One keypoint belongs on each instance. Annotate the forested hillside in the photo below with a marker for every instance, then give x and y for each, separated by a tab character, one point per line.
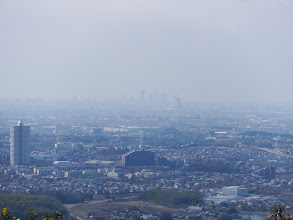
21	205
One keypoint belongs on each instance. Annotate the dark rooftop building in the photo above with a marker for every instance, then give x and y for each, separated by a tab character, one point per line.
139	158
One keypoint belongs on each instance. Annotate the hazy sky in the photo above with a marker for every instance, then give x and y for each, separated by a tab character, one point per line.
223	50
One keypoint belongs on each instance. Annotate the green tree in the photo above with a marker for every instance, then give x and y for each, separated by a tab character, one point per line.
5	214
32	215
165	216
170	197
279	213
224	216
133	208
21	205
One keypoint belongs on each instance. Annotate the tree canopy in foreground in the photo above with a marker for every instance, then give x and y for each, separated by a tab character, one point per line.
21	205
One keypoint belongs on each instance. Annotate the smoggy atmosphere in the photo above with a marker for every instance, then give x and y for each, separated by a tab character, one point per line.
230	50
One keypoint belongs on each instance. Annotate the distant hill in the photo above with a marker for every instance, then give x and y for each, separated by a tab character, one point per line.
21	205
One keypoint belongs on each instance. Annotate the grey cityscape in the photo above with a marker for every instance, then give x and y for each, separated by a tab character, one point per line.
155	110
103	155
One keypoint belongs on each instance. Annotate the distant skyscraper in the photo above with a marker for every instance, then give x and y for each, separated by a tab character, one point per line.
19	145
178	103
142	98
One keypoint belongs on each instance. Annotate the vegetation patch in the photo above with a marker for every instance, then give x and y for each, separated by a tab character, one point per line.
213	166
170	198
21	205
83	210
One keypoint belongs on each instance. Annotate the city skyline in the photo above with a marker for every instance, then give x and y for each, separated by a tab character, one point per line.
170	109
196	50
90	153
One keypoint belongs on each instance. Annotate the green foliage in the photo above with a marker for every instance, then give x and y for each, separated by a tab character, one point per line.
56	215
224	216
279	213
107	195
5	214
231	210
63	196
32	215
22	206
165	216
255	207
213	166
169	198
133	208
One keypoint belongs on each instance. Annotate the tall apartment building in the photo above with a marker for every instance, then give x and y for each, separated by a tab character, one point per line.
19	145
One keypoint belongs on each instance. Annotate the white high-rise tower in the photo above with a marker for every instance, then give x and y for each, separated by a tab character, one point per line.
20	145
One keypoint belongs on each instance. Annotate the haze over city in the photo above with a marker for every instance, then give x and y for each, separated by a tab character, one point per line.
238	50
146	109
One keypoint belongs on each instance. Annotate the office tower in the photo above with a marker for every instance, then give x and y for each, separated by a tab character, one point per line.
178	103
19	145
141	98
